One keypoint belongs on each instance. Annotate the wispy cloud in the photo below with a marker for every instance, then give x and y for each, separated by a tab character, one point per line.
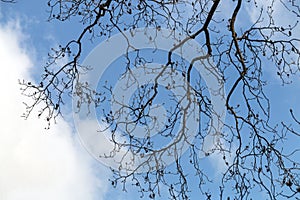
36	163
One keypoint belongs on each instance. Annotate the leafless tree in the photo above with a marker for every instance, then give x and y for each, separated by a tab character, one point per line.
250	146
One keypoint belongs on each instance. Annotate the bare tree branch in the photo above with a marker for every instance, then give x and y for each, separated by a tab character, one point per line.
251	147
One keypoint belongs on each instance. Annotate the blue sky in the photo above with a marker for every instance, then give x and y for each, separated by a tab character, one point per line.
37	163
52	164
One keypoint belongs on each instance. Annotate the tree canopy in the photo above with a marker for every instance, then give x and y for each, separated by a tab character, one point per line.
237	43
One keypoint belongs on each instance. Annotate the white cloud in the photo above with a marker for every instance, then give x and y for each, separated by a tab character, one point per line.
35	163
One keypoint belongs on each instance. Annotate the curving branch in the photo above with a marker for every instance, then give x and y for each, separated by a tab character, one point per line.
251	147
